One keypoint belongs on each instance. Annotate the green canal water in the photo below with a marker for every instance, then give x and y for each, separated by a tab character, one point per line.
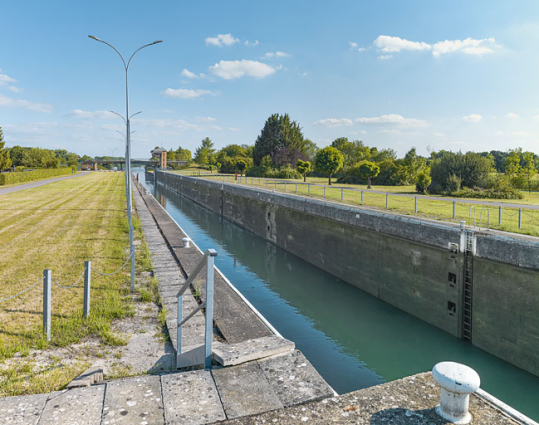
353	339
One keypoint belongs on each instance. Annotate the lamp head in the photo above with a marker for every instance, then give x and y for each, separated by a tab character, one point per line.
94	38
157	42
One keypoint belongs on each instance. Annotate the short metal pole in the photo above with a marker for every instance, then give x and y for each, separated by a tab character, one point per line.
179	318
308	189
415	204
500	216
454	208
342	193
285	186
47	280
324	191
266	183
296	188
361	197
209	308
87	282
275	181
387	201
520	218
259	182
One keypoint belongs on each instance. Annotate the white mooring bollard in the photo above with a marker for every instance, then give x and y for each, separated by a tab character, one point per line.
457	382
186	242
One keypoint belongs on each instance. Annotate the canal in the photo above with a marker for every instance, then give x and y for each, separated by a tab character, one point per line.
353	339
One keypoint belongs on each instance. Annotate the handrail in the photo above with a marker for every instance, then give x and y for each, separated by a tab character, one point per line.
208	261
488	217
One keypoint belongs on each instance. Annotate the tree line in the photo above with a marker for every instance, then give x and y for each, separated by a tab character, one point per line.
29	157
282	151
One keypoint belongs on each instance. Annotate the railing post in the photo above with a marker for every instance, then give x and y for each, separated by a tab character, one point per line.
87	282
387	201
47	281
308	189
415	202
361	197
258	182
500	215
520	218
179	318
342	193
324	191
454	208
275	181
209	308
296	188
285	186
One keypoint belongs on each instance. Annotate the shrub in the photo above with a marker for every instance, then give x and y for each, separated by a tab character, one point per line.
472	168
453	183
28	176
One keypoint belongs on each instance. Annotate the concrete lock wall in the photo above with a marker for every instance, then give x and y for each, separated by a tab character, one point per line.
415	265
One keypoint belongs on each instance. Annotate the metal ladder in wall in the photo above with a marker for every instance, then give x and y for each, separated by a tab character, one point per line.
468	287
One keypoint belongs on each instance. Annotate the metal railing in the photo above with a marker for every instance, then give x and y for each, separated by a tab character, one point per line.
48	280
451	209
203	353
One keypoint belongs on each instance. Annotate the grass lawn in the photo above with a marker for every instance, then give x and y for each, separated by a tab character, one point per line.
58	226
36	180
484	213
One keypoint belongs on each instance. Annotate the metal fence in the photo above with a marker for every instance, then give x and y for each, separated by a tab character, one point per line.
48	280
476	214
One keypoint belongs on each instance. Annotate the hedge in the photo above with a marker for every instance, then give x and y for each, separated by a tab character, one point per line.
28	176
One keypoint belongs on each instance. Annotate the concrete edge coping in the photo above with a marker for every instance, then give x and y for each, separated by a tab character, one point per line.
91	376
504	408
250	350
252	307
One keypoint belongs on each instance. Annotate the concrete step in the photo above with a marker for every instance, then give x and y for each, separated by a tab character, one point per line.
252	349
134	401
191	398
81	406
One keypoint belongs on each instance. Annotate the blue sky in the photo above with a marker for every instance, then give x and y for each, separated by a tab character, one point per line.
456	75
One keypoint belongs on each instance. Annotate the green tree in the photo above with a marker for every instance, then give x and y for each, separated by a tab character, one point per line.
528	170
205	153
183	154
368	170
328	161
278	132
303	168
423	179
5	159
241	165
353	152
512	166
171	155
16	155
412	164
310	149
472	168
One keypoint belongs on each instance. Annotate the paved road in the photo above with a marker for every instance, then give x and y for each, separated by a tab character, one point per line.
30	185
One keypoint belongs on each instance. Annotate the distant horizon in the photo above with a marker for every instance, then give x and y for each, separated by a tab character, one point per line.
439	76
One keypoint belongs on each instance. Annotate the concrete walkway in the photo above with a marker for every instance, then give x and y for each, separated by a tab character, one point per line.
6	190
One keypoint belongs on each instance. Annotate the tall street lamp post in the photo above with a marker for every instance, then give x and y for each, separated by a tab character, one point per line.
128	149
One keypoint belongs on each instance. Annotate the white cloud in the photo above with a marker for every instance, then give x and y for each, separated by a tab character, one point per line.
186	73
277	55
4	79
205	119
94	115
229	70
470	46
248	43
33	106
233	129
361	49
185	93
536	117
393	119
334	122
221	40
394	132
390	44
13	89
472	118
512	115
385	57
353	45
439	134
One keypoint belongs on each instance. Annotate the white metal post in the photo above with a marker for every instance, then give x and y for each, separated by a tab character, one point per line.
47	281
209	308
87	283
